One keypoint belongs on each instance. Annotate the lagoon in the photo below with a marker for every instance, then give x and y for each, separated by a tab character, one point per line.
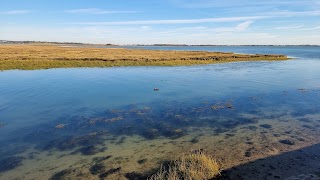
238	112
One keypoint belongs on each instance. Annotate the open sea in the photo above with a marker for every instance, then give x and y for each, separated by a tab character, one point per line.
62	123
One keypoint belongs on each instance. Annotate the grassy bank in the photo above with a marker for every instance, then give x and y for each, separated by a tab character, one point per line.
29	57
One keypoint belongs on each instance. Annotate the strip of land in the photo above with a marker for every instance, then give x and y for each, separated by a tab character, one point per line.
35	56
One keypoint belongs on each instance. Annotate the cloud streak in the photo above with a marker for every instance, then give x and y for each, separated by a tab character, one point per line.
96	11
298	27
200	30
310	29
238	28
237	3
289	27
15	12
248	19
179	21
295	13
243	26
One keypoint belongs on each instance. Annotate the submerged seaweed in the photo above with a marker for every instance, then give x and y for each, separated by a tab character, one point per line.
194	140
135	176
97	169
88	134
10	163
71	142
287	142
142	161
266	126
89	150
62	175
109	172
100	159
2	125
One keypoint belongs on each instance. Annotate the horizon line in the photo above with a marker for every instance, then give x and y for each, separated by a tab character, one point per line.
153	44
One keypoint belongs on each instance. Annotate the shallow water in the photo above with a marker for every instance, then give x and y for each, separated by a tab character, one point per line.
61	119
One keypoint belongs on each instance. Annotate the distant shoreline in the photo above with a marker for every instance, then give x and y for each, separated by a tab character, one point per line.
109	44
46	56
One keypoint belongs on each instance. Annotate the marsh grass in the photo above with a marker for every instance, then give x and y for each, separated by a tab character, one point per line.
29	57
197	166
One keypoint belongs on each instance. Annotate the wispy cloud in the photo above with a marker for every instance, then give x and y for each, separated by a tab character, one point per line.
295	13
172	21
310	29
186	30
237	3
15	12
202	30
96	11
145	28
243	26
298	27
238	28
290	27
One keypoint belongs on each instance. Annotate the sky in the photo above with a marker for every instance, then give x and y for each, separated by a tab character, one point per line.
216	22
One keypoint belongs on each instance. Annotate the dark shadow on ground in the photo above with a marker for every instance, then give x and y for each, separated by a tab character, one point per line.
289	165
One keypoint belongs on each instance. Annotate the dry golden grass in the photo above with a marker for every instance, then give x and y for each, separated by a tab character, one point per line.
192	167
52	56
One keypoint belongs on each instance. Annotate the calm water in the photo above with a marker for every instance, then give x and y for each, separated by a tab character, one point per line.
58	119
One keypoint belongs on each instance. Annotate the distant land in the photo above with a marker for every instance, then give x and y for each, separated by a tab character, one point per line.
109	44
44	56
49	42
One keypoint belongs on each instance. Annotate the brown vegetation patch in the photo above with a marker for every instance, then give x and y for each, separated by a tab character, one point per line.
198	166
52	56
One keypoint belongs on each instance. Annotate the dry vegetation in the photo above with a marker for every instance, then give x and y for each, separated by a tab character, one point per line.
197	166
51	56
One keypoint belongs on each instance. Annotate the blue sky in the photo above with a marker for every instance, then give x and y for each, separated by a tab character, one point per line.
225	22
